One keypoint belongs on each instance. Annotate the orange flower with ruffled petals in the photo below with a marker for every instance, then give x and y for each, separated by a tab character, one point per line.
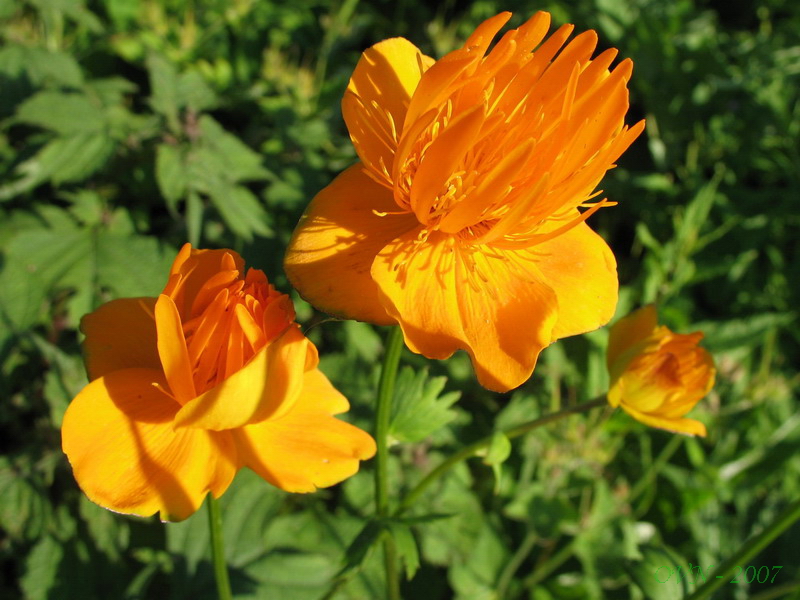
658	376
461	221
187	388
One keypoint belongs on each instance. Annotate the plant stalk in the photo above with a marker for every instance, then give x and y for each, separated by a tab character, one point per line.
218	550
383	414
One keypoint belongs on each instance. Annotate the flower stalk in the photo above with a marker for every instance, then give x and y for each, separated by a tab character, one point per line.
383	414
218	549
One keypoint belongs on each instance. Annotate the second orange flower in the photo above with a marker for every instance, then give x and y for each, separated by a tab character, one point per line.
461	221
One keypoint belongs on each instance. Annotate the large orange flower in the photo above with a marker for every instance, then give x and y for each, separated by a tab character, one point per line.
461	220
658	376
189	387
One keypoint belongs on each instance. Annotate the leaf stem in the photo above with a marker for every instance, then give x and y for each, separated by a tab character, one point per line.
483	443
383	414
217	549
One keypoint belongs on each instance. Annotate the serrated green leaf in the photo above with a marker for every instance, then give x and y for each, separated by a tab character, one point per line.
418	409
109	533
65	377
62	160
41	569
241	211
171	174
65	113
42	67
362	338
92	263
194	93
406	547
357	550
24	510
232	157
164	96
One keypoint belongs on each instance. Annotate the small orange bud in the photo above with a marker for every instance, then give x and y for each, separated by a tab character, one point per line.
657	376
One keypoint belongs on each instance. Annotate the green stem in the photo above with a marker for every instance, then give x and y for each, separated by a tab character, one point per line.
507	575
383	414
483	443
747	551
217	550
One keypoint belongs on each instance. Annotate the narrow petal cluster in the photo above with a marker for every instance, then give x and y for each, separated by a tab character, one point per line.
658	376
187	388
461	222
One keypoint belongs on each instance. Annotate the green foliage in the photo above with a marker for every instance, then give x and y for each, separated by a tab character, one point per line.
130	127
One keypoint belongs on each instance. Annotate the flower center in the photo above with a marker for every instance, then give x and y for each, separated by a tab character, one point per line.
230	321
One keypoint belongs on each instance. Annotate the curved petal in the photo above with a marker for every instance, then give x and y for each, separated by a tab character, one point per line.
307	448
629	332
118	436
375	104
492	303
120	334
580	268
266	387
192	270
172	349
331	252
685	426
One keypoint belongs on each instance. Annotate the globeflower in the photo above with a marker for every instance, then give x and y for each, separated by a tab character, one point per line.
187	388
657	376
461	220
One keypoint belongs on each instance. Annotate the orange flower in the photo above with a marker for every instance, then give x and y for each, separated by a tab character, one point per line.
658	376
461	222
189	387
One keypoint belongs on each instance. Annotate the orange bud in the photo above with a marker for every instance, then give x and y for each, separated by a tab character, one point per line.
657	376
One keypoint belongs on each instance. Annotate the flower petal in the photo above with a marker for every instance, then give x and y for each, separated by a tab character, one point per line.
266	387
685	426
581	269
628	333
375	104
333	247
307	448
121	334
489	302
118	436
172	350
191	271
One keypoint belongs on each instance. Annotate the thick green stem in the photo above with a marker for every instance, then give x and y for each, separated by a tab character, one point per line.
383	414
747	551
484	443
217	549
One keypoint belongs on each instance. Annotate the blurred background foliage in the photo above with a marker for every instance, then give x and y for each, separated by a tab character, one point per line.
130	126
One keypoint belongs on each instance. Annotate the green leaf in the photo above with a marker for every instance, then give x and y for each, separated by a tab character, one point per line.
656	574
418	408
24	509
194	93
42	568
164	95
65	377
241	211
498	451
406	547
64	113
94	264
232	157
722	336
357	551
62	160
171	174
